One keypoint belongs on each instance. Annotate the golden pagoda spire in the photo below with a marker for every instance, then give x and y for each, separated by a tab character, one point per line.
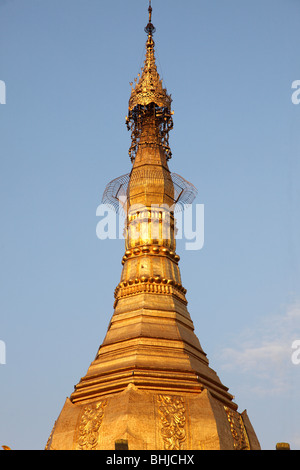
150	385
150	341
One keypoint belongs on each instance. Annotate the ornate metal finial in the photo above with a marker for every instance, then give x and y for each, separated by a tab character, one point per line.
146	92
149	101
150	29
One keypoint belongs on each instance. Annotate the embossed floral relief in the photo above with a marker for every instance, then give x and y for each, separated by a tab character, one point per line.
89	426
172	421
237	429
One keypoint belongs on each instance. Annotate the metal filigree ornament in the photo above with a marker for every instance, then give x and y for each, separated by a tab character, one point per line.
149	98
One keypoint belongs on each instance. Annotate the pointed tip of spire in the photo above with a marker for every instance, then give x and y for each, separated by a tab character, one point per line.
150	29
150	11
148	88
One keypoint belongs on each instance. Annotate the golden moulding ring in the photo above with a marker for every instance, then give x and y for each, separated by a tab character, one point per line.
155	250
152	284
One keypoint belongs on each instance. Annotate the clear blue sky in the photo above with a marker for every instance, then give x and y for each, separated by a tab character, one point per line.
229	65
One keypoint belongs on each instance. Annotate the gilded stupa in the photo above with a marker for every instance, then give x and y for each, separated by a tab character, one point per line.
150	386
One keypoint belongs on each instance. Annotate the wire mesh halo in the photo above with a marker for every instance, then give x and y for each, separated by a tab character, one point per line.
116	192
